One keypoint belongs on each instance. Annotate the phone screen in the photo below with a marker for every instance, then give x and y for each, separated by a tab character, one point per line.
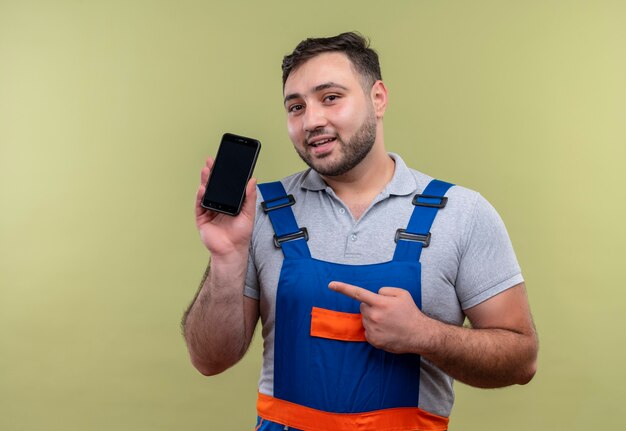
233	168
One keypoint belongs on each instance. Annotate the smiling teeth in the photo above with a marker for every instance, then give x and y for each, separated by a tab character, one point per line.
322	142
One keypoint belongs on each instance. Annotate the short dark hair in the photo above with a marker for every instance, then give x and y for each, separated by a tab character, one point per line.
353	45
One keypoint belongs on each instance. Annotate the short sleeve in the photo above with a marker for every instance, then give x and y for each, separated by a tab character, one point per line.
251	288
488	263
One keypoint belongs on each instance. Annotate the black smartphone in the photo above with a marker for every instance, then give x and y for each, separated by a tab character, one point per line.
234	163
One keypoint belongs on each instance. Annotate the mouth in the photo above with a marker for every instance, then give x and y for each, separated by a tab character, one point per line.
318	143
321	146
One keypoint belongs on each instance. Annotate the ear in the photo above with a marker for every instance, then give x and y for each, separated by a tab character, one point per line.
378	95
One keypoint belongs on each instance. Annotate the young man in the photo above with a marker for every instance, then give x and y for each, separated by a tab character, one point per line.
361	269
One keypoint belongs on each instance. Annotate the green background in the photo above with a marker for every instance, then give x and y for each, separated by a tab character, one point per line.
108	110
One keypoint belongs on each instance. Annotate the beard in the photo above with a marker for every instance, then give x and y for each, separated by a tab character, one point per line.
351	154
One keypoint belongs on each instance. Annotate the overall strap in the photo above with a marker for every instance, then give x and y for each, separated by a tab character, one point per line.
287	235
416	236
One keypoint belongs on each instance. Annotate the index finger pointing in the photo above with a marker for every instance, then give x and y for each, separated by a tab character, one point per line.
354	292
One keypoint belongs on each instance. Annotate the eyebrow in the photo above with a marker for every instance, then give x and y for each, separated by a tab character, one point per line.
316	89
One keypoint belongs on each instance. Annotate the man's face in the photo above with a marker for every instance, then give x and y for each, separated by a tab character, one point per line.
330	119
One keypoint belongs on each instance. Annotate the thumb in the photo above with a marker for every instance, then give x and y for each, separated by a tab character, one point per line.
249	202
392	291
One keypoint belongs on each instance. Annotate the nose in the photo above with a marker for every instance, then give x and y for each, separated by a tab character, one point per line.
314	118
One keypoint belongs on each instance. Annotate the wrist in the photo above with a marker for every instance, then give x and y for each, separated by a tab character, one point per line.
429	336
227	277
229	258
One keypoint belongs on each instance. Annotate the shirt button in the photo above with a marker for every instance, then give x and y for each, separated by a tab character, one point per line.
341	211
353	237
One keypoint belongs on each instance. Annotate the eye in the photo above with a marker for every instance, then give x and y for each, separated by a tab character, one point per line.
295	108
331	98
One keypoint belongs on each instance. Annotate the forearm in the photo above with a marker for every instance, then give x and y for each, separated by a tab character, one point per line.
487	358
500	349
215	328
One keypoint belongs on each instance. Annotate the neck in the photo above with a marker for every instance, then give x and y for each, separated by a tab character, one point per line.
372	174
358	187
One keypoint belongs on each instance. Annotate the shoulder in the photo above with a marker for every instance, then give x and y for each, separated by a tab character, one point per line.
465	208
300	181
303	180
408	180
295	184
460	198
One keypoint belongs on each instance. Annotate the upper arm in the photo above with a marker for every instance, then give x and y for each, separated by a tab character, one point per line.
251	317
487	264
251	300
507	310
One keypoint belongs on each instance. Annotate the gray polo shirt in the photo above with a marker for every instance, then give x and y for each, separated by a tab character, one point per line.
469	260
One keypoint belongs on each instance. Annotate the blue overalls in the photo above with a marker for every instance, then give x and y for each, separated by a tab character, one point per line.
326	375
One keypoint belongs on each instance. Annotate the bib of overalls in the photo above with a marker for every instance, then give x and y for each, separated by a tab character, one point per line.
322	360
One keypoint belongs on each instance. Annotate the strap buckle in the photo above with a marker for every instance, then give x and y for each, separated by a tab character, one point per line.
403	234
442	201
267	208
301	233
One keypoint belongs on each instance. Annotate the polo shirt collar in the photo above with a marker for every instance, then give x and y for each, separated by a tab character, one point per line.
402	183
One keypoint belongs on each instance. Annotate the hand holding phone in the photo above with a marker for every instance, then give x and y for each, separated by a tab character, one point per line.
233	167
